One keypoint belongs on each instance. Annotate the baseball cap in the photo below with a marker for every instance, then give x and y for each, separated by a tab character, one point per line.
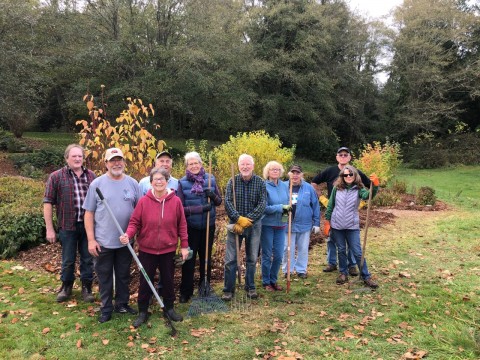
113	152
163	153
343	148
296	168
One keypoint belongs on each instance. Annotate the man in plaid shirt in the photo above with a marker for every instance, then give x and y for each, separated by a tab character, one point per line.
250	199
66	190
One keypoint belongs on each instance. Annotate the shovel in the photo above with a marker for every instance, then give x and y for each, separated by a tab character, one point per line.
173	331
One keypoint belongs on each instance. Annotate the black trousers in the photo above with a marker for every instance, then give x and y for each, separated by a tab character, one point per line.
107	262
197	241
164	263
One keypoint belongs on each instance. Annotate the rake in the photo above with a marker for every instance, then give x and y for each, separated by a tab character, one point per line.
168	322
207	301
289	238
364	247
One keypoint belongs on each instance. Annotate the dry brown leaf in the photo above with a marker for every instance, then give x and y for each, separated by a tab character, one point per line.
79	344
105	341
348	334
77	327
46	330
21	291
14	320
130	344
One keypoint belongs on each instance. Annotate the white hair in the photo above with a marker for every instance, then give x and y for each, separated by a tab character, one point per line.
193	155
245	157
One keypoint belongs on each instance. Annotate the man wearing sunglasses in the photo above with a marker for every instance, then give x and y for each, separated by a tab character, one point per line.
328	176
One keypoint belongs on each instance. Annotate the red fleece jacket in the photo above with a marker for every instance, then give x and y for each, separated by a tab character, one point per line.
159	224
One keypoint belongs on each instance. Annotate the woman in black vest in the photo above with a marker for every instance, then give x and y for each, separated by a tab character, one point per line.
199	200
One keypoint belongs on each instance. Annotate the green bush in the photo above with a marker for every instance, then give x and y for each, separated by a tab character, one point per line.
386	197
21	215
426	196
400	187
34	164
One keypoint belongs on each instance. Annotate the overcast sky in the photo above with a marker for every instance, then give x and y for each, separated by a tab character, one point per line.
373	8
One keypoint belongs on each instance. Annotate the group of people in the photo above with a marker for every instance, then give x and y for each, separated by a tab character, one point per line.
163	214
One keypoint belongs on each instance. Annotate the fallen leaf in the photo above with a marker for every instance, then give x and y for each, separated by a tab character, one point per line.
79	344
405	275
46	330
348	334
105	341
130	344
21	291
77	327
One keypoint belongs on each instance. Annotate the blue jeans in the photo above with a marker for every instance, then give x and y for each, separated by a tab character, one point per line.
73	240
300	240
351	238
273	243
332	254
252	245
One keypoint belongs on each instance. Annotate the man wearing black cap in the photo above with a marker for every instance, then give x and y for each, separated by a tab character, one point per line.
162	160
328	176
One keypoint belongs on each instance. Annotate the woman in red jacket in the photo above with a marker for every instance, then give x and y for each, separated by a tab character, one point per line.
158	220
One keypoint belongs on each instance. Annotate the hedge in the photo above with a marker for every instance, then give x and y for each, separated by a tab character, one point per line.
21	215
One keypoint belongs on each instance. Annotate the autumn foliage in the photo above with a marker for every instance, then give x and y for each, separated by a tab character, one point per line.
382	160
128	133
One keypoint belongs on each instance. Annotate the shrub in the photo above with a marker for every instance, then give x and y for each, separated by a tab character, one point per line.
382	160
426	196
178	169
21	215
400	187
34	165
259	144
386	197
138	145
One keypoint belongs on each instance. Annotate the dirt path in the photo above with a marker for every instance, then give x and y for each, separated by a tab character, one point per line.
6	166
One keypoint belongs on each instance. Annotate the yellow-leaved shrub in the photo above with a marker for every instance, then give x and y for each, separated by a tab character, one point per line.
260	145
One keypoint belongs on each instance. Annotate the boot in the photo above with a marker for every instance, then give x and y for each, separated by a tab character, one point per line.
65	291
170	313
87	291
141	319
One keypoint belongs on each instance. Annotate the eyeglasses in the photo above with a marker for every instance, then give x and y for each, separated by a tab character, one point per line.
275	170
348	175
193	163
343	155
159	180
115	160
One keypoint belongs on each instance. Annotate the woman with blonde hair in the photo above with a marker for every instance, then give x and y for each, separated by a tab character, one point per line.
273	225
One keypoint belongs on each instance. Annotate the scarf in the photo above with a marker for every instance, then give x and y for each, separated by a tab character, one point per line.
197	188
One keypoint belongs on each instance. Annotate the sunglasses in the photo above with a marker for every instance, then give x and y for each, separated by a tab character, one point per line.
343	155
348	175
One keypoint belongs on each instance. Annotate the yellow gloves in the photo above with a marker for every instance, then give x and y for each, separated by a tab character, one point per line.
237	229
244	222
323	200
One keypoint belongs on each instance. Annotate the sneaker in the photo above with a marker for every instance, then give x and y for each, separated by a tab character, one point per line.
277	287
352	271
342	279
227	296
104	317
125	309
302	275
269	288
330	268
252	294
370	283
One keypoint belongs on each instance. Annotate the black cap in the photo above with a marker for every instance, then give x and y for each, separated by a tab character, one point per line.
343	148
296	168
163	153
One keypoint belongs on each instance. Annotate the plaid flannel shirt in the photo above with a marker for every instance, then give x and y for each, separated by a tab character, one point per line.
251	198
60	191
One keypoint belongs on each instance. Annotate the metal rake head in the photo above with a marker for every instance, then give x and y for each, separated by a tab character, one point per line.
206	305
